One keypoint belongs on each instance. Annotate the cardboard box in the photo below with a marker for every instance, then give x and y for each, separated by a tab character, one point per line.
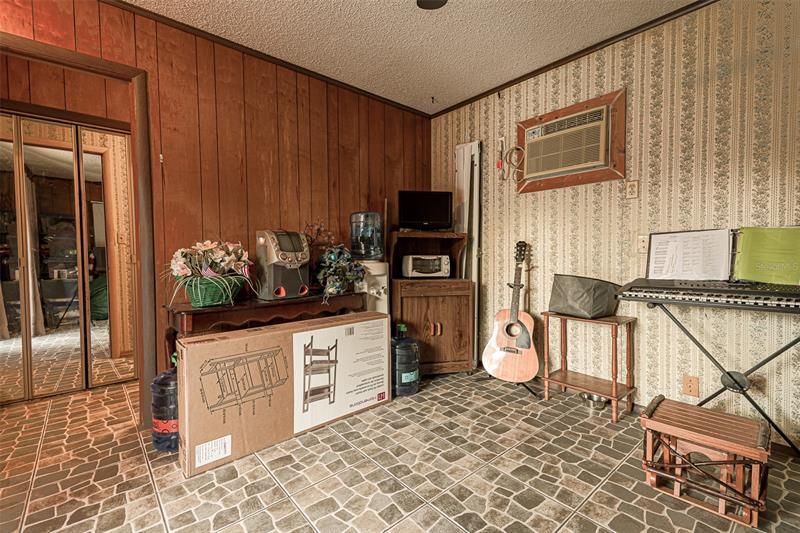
242	391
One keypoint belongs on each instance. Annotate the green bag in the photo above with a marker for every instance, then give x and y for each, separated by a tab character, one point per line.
583	297
98	298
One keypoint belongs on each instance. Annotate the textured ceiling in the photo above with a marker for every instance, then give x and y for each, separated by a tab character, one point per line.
395	50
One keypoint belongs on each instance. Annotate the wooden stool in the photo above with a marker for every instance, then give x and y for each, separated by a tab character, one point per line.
738	446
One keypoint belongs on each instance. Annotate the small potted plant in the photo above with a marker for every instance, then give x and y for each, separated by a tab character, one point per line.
337	271
211	273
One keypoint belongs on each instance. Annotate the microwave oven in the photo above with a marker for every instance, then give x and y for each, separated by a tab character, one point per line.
426	266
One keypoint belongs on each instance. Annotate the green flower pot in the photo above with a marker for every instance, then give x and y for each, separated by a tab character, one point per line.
208	292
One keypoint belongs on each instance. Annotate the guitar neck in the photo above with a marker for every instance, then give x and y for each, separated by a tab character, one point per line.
515	294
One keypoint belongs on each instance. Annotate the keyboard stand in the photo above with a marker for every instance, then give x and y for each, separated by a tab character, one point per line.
733	381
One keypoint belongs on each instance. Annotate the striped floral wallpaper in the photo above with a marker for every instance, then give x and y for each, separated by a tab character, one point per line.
713	136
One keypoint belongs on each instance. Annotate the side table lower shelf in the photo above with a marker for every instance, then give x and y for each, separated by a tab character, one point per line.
586	383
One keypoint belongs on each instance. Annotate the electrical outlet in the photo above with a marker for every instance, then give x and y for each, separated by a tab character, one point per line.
691	386
643	243
631	189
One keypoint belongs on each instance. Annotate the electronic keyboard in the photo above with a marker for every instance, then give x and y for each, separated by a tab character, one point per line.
738	295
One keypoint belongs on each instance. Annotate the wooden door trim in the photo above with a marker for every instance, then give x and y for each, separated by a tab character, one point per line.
145	259
60	115
14	45
139	128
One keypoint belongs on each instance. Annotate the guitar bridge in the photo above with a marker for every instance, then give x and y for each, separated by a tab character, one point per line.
511	349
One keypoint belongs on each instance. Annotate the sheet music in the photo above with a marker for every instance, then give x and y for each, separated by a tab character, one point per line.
690	255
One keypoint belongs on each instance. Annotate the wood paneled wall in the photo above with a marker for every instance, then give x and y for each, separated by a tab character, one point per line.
247	144
58	88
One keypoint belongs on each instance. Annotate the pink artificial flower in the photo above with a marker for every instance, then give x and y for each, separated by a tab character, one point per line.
180	269
205	245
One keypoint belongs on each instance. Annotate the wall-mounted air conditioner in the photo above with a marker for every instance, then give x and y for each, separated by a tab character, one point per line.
579	144
567	145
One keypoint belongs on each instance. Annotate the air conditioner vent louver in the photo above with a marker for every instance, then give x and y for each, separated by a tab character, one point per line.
567	145
595	115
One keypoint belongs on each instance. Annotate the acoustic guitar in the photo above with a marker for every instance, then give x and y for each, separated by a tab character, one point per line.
510	354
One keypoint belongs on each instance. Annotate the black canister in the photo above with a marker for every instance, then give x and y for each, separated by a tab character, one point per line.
165	410
405	363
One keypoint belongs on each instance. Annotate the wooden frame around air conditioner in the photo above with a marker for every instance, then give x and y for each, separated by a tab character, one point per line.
616	140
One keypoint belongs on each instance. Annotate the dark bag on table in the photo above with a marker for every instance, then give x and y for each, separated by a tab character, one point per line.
583	297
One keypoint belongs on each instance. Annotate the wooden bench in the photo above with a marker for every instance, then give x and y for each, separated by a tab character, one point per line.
675	433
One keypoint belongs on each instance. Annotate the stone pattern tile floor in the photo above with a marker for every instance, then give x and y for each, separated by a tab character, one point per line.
468	453
57	362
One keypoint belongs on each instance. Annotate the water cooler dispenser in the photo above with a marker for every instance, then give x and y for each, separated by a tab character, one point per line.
366	245
376	285
366	236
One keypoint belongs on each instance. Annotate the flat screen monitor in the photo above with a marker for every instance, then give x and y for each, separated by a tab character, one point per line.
425	210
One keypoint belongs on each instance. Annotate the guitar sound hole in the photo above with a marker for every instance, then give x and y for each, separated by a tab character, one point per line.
513	329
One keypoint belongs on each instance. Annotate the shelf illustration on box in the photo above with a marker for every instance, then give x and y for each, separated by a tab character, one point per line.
235	380
321	362
339	370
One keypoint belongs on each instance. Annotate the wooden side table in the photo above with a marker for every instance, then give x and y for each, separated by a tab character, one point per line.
185	320
610	389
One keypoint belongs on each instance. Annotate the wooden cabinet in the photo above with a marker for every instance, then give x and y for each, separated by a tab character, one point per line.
439	312
426	243
439	315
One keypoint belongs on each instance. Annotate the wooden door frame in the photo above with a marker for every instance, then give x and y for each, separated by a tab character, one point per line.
139	127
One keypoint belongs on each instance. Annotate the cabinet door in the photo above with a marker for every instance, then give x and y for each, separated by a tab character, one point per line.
453	324
440	323
418	313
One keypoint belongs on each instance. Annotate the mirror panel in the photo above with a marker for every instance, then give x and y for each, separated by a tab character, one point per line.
53	252
12	386
108	208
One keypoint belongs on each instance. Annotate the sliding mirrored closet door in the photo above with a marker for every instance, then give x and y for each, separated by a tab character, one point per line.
107	192
66	266
13	369
52	253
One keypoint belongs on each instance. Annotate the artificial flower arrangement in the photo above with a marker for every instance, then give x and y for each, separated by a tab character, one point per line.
319	239
337	271
211	273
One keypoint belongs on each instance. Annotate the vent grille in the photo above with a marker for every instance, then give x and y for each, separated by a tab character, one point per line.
595	115
567	145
